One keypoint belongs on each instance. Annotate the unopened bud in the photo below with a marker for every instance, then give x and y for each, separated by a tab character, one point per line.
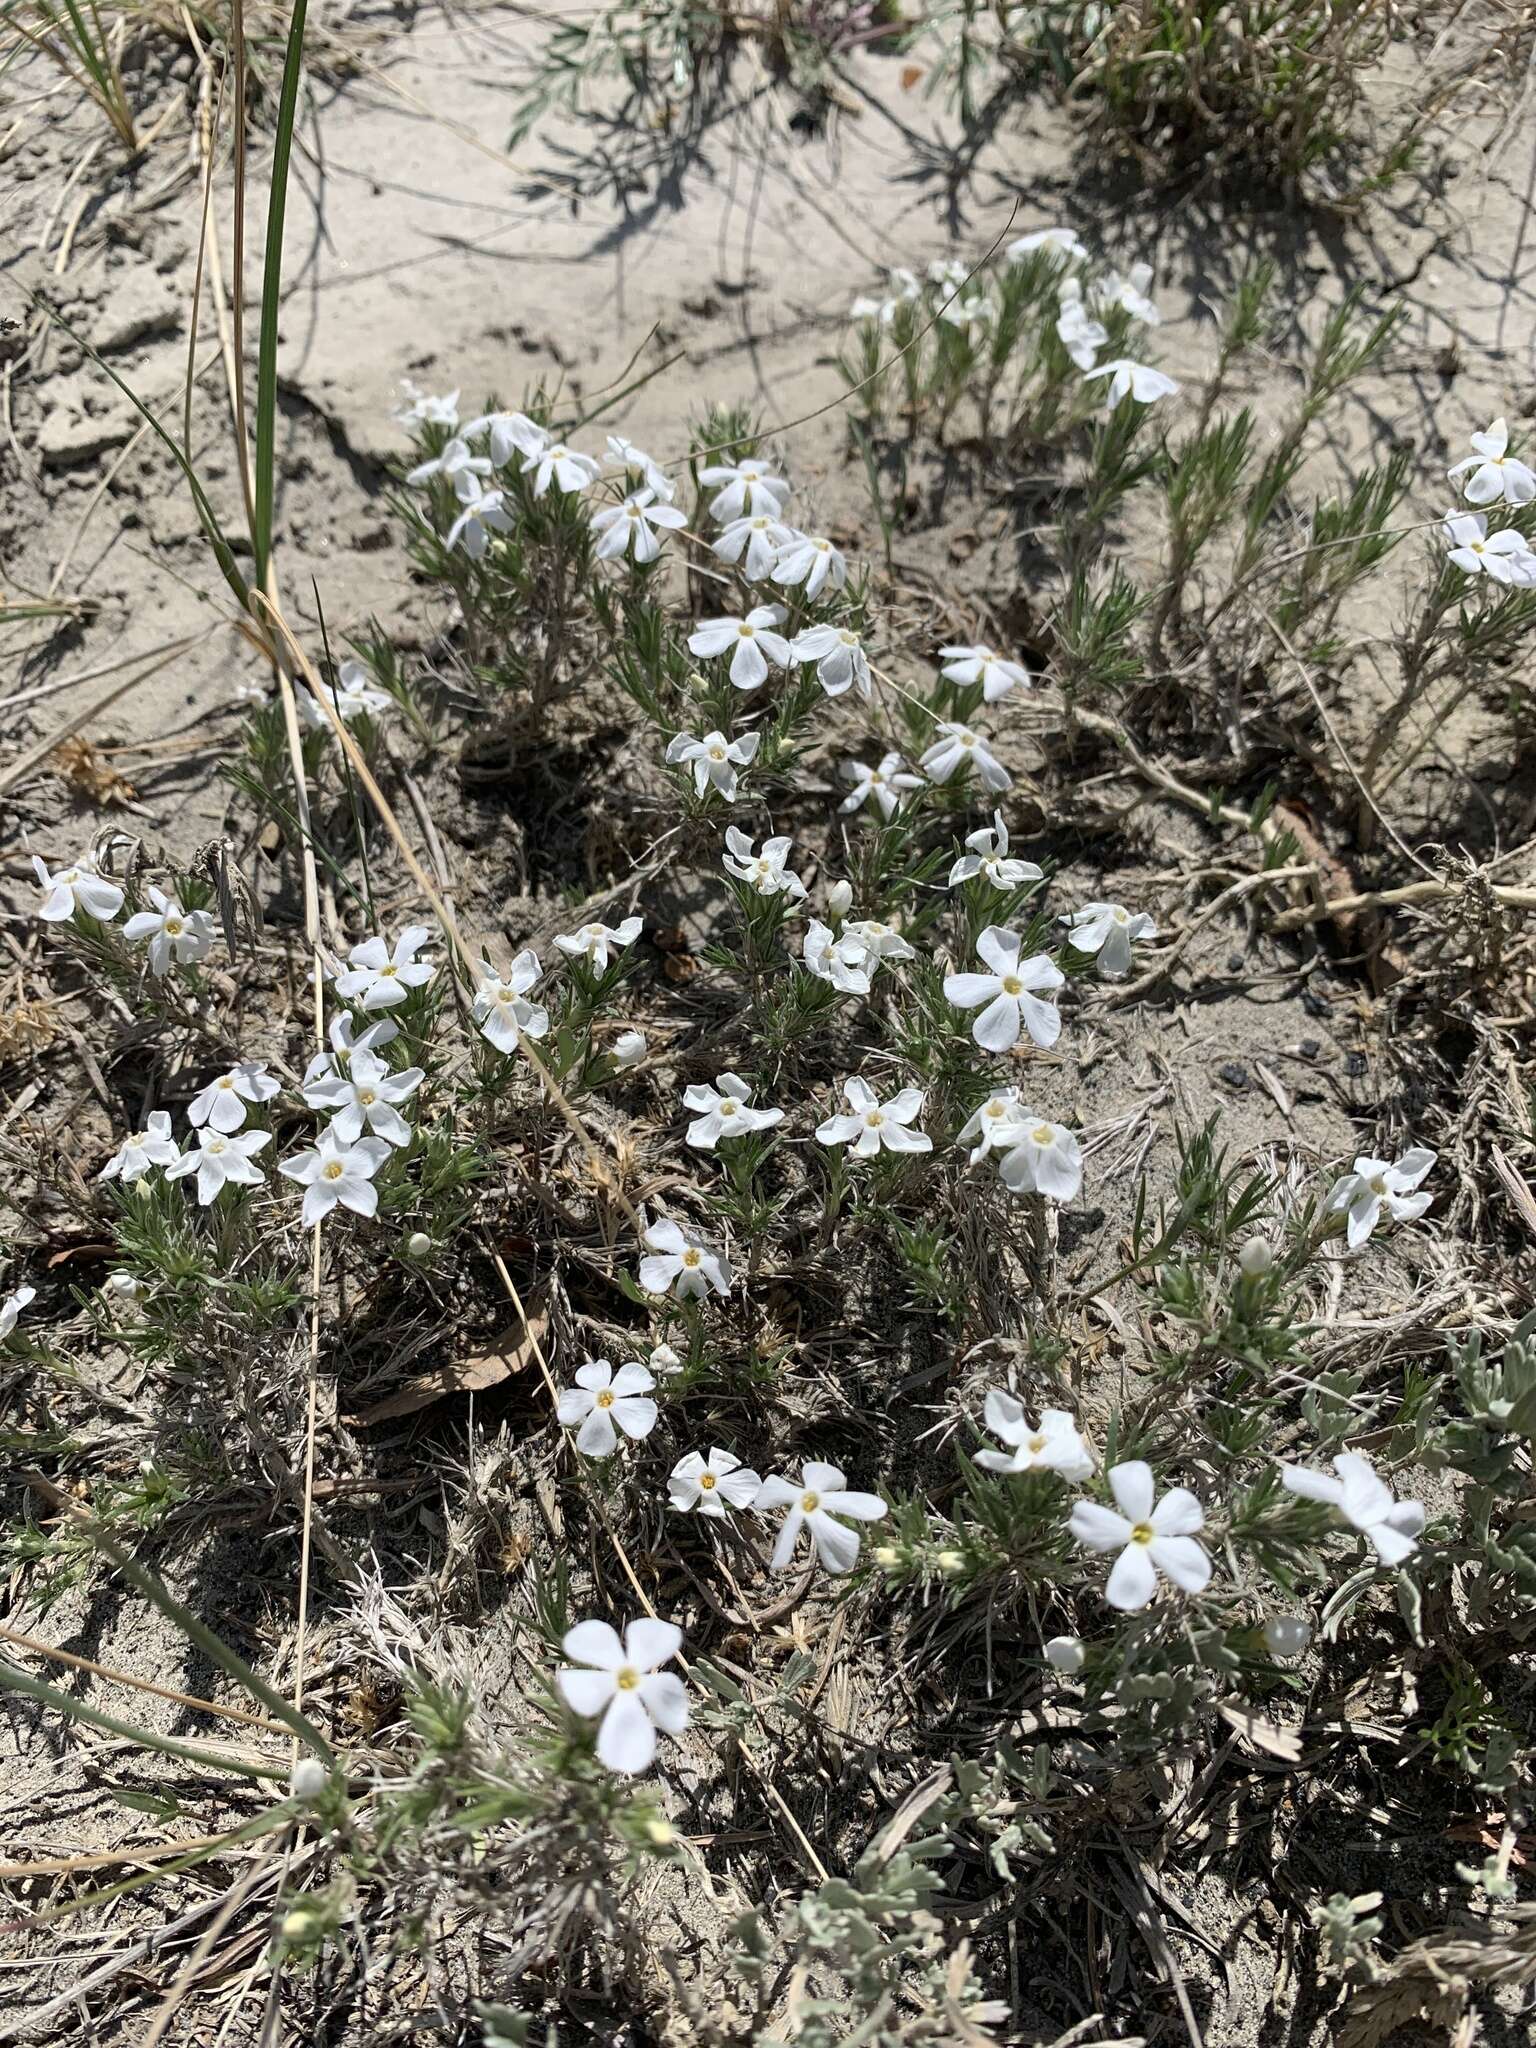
629	1048
417	1245
840	899
302	1924
665	1361
1286	1635
1256	1257
1065	1654
950	1561
885	1556
307	1780
660	1833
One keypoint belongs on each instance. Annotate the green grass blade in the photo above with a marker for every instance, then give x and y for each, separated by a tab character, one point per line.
271	296
14	1679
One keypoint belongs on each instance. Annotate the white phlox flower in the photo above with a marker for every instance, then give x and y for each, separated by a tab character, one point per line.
365	1098
222	1159
988	857
752	643
426	408
844	962
622	1683
11	1307
871	1126
725	1111
992	1125
1391	1527
1154	1537
1041	1158
905	288
561	466
335	1172
810	559
767	871
881	941
221	1105
753	544
509	433
885	784
1061	242
481	513
815	1502
981	664
629	1048
630	528
708	1486
353	695
1129	291
1496	474
455	461
501	1007
174	935
841	663
77	887
1053	1444
1010	998
603	1402
960	750
713	760
596	943
1379	1188
1506	556
742	489
143	1150
639	468
1107	929
379	976
346	1039
665	1362
1076	329
1140	380
678	1263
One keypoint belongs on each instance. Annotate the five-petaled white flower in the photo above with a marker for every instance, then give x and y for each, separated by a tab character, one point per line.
640	468
174	934
427	408
725	1111
1107	929
871	1125
1391	1527
665	1362
23	1297
881	941
810	559
1495	474
992	1124
714	759
885	784
843	961
365	1096
77	887
708	1486
814	1502
1506	556
905	288
841	663
346	1039
1062	243
629	1048
509	433
562	466
1076	329
603	1401
221	1160
751	642
352	695
1130	291
1151	1539
378	977
501	1008
221	1105
454	462
989	858
1041	1158
625	1686
743	488
335	1172
995	673
1053	1444
753	544
676	1262
1140	380
958	748
141	1150
767	871
596	944
481	513
1011	993
1377	1188
630	528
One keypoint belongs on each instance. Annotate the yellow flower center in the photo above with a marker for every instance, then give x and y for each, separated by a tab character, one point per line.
224	1082
809	1503
367	1097
708	1482
1378	1184
693	1256
1034	1444
605	1398
1143	1533
727	1106
717	753
1122	917
173	927
626	1678
1011	985
633	511
1042	1134
748	632
333	1169
997	1109
875	1118
388	973
849	639
217	1145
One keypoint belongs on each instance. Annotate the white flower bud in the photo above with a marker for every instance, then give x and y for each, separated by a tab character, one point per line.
417	1245
885	1556
629	1048
1286	1635
1066	1654
840	899
1256	1257
664	1361
950	1561
128	1286
308	1778
660	1833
